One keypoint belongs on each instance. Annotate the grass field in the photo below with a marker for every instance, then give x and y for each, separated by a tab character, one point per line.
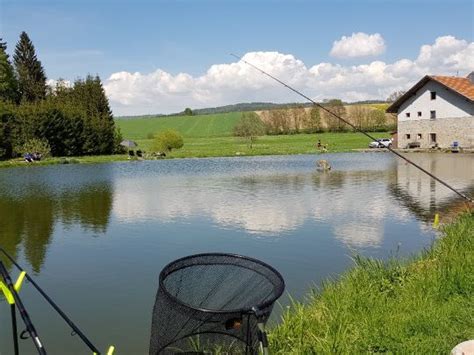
218	125
267	145
211	136
231	146
420	306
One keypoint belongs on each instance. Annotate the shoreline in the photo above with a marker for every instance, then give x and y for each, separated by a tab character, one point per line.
420	304
100	159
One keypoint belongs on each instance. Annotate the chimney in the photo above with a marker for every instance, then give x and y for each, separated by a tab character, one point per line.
471	77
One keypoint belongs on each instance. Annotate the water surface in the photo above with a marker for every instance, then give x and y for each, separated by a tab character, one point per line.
96	236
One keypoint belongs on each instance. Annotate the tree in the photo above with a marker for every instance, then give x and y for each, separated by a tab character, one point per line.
7	130
30	72
88	97
377	119
314	120
394	96
188	112
250	126
359	115
8	82
167	141
336	107
299	117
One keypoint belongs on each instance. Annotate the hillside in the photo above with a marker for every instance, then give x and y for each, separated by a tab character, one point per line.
221	125
217	125
251	106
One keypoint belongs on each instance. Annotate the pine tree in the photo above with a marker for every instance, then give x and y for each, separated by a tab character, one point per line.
8	82
30	72
99	128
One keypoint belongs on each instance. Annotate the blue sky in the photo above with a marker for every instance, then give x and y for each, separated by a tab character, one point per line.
74	38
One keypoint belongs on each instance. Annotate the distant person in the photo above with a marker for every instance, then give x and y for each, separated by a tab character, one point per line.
28	157
36	156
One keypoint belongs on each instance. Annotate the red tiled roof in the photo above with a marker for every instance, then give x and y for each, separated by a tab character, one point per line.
462	86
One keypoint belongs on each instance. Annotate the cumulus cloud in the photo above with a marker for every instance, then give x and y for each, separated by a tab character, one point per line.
360	44
163	92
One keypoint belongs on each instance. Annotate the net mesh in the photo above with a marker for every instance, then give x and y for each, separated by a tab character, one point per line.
205	304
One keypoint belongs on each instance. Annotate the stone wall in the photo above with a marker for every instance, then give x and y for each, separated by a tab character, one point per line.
447	131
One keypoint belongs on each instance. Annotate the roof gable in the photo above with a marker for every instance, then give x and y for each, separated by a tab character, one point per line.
460	86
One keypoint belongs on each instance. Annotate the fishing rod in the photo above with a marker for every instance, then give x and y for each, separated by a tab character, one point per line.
74	328
30	328
355	128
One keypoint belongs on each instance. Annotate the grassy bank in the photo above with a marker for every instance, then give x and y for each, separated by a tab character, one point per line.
423	305
267	145
69	160
199	147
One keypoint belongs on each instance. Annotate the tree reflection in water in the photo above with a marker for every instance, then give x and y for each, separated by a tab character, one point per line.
28	220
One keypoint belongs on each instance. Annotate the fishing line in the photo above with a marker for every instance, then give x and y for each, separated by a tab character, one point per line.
355	128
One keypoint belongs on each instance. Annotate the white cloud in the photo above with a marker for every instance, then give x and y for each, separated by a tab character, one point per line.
53	83
358	45
162	92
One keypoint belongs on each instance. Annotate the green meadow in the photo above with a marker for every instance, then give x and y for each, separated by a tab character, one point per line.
217	125
211	136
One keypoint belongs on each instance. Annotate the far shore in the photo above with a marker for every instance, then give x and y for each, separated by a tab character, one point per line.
99	159
212	147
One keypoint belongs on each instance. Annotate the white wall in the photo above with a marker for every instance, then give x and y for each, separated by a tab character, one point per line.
447	104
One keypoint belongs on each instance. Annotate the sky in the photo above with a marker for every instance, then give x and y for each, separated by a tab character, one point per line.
162	56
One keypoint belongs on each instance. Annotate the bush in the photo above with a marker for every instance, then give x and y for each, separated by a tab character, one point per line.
167	140
34	145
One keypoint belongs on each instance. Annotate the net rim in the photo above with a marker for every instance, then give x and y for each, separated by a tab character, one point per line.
279	288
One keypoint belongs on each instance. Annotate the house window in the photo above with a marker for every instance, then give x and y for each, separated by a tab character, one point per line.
407	114
419	113
418	136
432	114
407	136
433	95
433	137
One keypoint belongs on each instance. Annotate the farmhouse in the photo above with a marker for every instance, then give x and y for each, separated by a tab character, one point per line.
436	112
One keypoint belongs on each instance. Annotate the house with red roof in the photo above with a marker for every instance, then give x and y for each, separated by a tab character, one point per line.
436	112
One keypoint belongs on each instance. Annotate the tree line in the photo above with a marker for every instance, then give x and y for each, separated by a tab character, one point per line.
314	120
64	120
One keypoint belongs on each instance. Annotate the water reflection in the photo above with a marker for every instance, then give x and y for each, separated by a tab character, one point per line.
422	195
270	197
352	202
28	218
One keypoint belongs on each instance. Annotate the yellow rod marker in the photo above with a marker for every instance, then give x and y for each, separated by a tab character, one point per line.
111	350
19	281
7	293
436	221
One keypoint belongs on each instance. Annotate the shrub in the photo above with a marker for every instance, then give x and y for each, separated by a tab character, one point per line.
34	145
167	140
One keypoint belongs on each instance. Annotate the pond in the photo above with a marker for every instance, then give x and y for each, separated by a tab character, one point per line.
95	237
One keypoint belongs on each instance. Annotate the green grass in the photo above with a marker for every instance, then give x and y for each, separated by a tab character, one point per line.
217	125
69	160
231	146
419	306
266	145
